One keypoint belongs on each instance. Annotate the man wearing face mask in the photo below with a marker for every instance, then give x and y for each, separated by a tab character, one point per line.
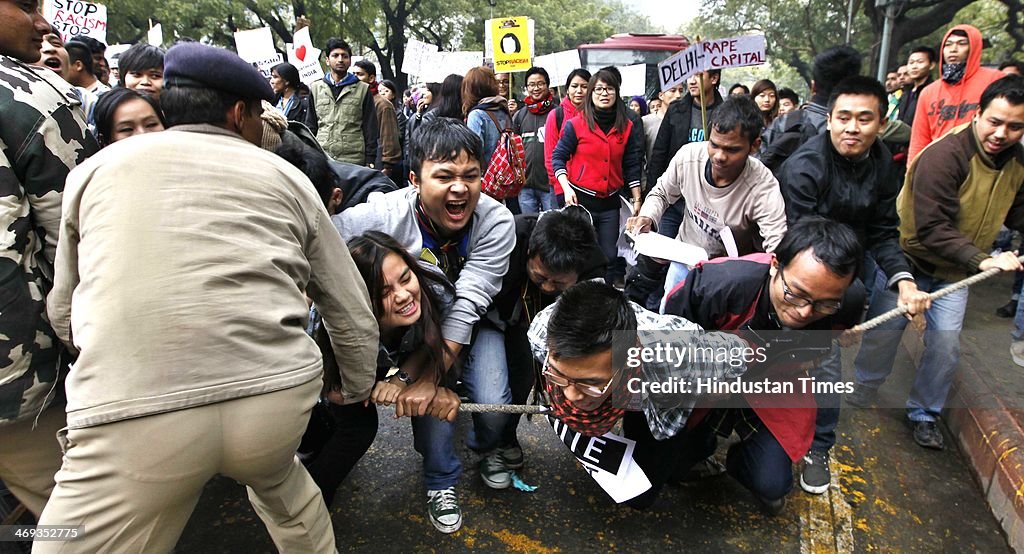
189	315
952	100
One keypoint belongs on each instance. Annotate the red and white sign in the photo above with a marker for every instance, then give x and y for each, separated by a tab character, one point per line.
76	17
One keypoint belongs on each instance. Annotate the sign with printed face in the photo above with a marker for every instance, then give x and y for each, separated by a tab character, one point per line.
76	17
722	53
510	42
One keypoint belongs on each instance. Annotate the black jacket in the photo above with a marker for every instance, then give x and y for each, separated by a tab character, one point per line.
816	180
782	138
519	299
299	110
357	182
908	102
673	134
530	127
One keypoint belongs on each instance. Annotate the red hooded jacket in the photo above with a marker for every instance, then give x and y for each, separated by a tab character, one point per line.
943	106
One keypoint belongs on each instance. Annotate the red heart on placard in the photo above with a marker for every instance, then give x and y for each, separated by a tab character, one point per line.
300	53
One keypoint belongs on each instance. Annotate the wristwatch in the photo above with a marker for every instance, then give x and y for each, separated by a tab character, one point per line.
403	377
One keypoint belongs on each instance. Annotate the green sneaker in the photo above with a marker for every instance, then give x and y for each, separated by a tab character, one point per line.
494	472
443	510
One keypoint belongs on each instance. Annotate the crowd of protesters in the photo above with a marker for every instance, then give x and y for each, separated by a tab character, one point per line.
208	273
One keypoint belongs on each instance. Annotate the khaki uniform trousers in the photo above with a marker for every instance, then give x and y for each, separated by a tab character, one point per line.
29	457
133	484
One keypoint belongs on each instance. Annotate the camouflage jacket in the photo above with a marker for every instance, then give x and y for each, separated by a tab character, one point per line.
42	137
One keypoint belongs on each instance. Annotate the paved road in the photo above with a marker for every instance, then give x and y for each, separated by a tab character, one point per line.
887	495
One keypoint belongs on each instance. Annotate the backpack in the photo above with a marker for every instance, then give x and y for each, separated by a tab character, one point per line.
796	132
506	171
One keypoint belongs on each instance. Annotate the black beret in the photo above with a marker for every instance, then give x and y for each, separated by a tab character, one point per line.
192	64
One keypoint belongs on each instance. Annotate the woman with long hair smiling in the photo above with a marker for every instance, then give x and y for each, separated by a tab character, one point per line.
408	300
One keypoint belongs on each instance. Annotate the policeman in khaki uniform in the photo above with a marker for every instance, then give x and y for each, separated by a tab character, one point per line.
189	312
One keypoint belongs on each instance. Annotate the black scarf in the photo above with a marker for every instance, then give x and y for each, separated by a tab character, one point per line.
605	119
952	73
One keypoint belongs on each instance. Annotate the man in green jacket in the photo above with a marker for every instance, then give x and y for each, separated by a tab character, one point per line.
344	117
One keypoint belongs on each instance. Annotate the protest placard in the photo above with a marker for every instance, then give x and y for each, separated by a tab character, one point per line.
608	459
113	53
155	36
254	44
559	65
77	17
511	44
305	57
711	54
418	57
634	80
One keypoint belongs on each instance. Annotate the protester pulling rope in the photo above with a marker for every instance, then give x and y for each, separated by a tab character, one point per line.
902	310
867	325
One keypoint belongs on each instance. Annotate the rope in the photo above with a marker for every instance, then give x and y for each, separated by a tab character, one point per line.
867	325
503	408
902	310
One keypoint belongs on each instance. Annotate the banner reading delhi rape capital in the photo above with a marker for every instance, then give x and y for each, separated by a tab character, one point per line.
722	53
76	17
511	45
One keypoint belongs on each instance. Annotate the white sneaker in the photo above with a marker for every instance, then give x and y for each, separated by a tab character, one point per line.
443	510
1017	352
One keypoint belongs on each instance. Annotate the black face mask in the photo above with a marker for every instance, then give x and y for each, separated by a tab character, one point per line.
952	73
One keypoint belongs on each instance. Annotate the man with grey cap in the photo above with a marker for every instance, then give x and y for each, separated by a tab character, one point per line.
189	284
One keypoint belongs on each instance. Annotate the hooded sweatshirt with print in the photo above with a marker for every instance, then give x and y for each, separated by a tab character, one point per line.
943	106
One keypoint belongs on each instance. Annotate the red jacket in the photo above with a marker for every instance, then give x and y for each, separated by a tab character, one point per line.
726	294
599	164
553	132
942	106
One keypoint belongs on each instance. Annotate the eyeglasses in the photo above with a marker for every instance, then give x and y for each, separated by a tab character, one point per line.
563	382
826	307
536	85
601	91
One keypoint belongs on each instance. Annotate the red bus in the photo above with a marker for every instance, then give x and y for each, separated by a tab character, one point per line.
633	48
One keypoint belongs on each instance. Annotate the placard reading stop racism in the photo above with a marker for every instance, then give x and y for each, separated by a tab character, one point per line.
510	39
711	54
75	17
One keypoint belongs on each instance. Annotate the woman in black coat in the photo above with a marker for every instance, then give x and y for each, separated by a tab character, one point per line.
292	98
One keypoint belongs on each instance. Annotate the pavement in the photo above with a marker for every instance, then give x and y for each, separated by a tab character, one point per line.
887	494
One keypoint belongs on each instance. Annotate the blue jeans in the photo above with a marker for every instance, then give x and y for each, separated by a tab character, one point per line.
672	219
1018	320
606	224
677	273
941	354
830	371
533	201
485	377
434	439
761	465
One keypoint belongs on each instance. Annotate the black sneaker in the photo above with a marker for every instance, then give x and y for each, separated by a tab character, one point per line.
928	434
1007	310
815	477
862	396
